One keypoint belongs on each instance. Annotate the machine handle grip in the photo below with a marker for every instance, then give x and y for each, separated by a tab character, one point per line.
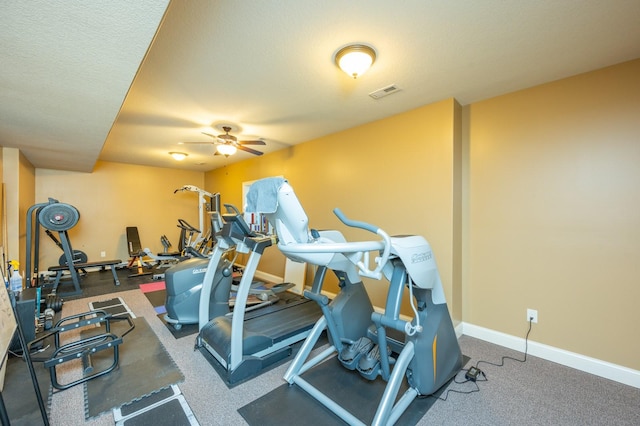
232	209
184	225
318	298
380	261
354	223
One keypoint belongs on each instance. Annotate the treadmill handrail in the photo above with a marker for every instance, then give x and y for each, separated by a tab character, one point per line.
207	283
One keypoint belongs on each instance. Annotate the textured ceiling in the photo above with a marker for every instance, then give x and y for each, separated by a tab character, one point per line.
65	69
266	68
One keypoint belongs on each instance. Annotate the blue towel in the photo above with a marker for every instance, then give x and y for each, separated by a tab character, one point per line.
263	195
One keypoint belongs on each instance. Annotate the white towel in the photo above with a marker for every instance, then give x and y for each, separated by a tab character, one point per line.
263	195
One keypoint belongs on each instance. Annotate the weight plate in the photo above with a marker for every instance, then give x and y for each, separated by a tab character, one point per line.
58	217
78	257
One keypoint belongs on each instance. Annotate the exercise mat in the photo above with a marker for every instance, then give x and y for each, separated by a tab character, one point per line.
145	367
357	395
167	407
19	393
156	294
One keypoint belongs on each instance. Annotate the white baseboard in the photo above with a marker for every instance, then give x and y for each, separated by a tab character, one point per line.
268	277
587	364
459	330
584	363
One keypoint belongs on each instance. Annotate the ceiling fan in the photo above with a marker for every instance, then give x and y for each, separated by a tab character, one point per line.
227	144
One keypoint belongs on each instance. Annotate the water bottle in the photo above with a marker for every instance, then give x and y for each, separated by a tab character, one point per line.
15	282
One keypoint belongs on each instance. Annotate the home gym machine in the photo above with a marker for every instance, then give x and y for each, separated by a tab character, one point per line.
194	242
58	217
245	343
429	355
198	238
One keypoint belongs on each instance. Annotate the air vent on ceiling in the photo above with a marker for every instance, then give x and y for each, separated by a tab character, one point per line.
385	91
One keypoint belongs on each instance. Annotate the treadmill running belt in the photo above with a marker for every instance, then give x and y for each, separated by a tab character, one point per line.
284	323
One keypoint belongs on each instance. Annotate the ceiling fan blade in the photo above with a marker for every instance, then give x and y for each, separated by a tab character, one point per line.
197	143
257	142
210	135
252	151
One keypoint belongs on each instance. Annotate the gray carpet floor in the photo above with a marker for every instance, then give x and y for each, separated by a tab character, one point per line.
537	392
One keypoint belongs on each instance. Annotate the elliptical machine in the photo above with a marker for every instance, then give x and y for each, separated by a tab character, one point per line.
428	356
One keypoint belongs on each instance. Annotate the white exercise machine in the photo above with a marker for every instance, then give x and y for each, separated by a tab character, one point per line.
207	202
427	353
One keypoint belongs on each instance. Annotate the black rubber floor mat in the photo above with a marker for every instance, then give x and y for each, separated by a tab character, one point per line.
222	372
139	405
145	367
115	306
19	395
184	331
169	413
167	407
357	395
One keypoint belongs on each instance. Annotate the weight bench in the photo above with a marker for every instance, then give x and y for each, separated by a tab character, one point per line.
135	251
75	278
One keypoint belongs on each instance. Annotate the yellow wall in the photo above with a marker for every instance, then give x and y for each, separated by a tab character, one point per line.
553	213
396	173
27	179
19	180
10	178
113	197
529	199
3	207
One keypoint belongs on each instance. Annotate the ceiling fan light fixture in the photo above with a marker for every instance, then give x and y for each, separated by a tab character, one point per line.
178	156
226	149
355	59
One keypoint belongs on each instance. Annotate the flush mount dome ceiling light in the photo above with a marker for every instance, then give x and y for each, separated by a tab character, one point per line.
179	156
355	59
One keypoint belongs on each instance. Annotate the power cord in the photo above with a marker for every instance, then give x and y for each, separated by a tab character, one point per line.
20	354
455	380
526	348
473	374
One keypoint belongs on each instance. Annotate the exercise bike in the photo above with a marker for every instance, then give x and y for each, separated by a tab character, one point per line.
427	355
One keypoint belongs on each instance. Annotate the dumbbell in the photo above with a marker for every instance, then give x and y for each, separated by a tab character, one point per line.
48	318
54	302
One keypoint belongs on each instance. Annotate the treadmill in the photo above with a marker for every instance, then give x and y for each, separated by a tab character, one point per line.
244	343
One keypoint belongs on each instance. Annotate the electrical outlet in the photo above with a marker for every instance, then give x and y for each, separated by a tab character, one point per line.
532	315
103	254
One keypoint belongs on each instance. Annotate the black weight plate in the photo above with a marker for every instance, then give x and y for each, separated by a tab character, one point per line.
78	257
58	217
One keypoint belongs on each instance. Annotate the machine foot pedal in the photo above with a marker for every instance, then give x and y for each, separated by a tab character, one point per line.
369	365
351	354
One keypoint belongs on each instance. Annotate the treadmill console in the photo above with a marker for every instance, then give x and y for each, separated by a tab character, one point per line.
234	217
